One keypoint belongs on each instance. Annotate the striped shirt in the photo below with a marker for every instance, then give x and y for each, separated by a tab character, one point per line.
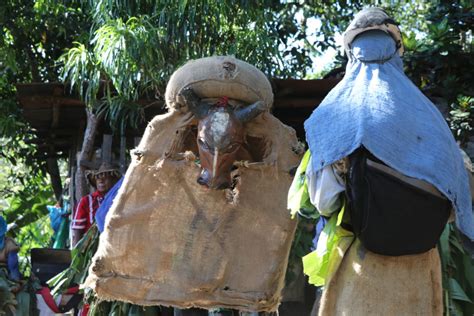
84	216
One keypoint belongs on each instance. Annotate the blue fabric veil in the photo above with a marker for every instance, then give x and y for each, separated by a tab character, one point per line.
377	106
104	207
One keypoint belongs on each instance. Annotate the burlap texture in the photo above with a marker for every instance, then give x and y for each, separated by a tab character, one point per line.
217	76
370	284
170	241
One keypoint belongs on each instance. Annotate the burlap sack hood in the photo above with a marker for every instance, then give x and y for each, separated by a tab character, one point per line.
170	241
218	76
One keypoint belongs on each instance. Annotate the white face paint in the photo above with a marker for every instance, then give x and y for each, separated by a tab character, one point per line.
214	163
219	123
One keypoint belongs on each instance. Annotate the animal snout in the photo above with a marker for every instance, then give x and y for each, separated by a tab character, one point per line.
204	177
216	183
202	181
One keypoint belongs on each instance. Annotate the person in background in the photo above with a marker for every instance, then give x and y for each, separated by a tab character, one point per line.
102	180
9	253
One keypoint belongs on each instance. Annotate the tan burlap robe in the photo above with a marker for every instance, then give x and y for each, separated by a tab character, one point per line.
371	284
170	241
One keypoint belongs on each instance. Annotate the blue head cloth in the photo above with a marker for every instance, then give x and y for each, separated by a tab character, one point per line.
377	106
106	204
3	230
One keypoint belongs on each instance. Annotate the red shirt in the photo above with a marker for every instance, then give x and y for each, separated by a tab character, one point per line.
86	209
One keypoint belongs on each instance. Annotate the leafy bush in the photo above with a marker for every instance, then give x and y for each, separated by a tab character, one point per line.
461	118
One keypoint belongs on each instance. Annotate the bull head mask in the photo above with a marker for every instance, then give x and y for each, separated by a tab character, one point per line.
220	136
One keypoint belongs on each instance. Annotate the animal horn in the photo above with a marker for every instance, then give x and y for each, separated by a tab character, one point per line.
194	104
250	112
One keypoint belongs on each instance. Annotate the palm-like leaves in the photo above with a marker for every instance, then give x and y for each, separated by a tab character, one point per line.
135	46
80	70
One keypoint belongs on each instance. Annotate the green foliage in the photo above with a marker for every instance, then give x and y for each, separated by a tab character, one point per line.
182	30
121	112
25	194
301	246
34	35
458	274
303	240
336	15
461	118
25	190
36	234
440	51
79	68
114	308
134	47
438	62
21	303
8	301
81	259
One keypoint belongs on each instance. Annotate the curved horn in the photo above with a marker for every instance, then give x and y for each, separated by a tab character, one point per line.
194	104
250	112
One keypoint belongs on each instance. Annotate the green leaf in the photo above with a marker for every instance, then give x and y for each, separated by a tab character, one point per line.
468	264
182	6
24	303
454	241
444	247
456	291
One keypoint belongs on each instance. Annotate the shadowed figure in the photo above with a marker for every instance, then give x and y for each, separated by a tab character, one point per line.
220	136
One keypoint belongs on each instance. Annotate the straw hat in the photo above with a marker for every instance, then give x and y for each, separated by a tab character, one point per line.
105	168
372	19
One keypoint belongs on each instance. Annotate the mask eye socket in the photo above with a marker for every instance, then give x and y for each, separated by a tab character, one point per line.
203	144
232	147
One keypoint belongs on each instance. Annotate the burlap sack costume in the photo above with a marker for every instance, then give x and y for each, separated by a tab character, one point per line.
169	240
370	284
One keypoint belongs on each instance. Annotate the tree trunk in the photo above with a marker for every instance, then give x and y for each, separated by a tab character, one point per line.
85	154
53	170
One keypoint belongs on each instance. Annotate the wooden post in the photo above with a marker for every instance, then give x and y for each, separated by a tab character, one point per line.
72	174
72	183
123	154
107	148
